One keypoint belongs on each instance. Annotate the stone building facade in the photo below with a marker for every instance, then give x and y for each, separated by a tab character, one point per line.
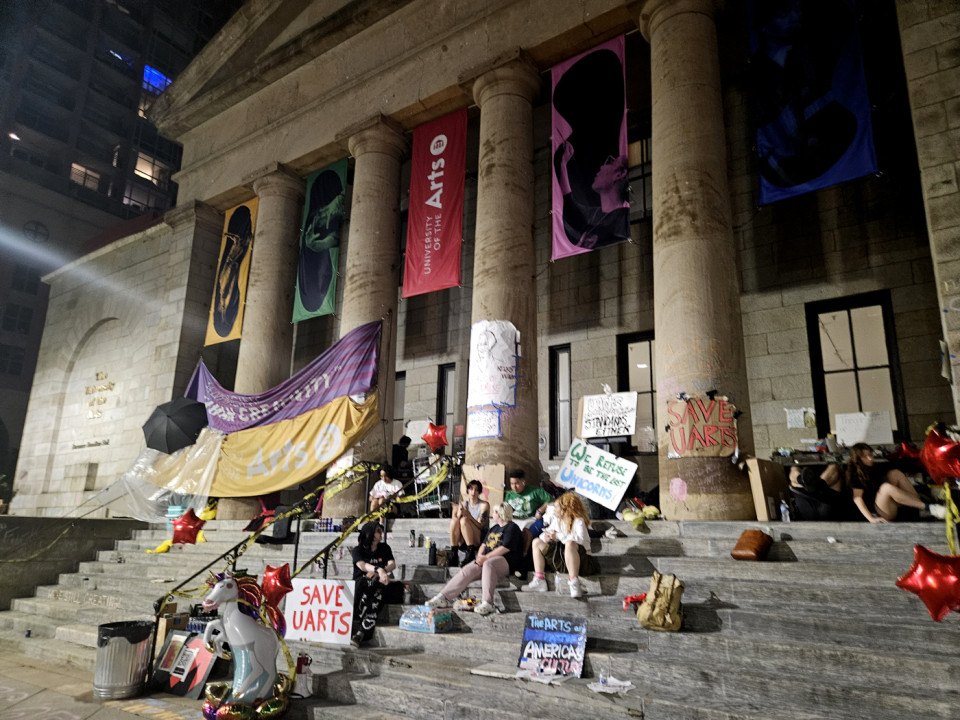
726	295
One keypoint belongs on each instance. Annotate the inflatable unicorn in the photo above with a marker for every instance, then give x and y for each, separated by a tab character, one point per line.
258	691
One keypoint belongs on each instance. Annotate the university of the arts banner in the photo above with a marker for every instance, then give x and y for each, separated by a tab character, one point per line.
233	269
435	217
590	179
323	213
810	98
349	367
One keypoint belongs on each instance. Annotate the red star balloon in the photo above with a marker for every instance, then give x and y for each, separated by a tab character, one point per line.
935	579
186	527
276	583
435	437
940	455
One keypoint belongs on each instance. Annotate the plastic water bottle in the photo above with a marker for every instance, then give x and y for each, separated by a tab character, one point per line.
784	511
413	538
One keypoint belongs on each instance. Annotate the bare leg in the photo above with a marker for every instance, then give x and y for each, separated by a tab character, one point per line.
831	476
527	539
571	553
890	497
456	538
468	531
376	503
539	561
895	477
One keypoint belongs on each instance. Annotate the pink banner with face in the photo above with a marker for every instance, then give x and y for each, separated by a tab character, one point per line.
590	182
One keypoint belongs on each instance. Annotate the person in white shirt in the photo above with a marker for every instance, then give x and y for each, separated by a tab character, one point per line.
386	488
567	530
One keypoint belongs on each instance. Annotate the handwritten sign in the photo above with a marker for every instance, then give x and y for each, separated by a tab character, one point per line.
596	474
483	424
609	415
553	644
494	356
320	611
872	428
702	427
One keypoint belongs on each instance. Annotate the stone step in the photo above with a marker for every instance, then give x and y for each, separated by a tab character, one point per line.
52	650
863	574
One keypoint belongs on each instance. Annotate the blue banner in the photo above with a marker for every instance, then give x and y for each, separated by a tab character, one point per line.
810	97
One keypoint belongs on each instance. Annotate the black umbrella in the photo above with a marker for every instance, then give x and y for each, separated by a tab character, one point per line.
175	425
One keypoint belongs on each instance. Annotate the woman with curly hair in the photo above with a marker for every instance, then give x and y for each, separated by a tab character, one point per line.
879	491
566	531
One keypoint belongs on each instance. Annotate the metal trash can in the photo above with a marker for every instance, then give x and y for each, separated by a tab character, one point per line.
123	654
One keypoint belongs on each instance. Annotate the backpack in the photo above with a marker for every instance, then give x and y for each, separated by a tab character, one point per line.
661	609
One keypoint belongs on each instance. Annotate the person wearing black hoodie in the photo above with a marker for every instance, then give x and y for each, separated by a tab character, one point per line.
373	563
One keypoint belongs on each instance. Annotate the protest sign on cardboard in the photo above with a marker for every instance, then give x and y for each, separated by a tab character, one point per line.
609	415
320	610
596	474
553	644
701	426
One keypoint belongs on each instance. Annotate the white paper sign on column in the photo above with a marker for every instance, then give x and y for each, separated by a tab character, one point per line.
319	610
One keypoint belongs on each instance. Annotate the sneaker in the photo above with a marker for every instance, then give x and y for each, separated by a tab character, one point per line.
356	640
484	608
576	590
438	601
535	585
612	533
937	510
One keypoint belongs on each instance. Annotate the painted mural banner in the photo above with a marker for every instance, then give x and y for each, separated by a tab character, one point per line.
590	181
438	165
319	610
323	216
553	644
609	415
233	269
348	367
494	360
596	474
702	426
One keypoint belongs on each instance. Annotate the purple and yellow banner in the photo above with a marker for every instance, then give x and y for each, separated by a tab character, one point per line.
590	178
233	269
323	214
349	367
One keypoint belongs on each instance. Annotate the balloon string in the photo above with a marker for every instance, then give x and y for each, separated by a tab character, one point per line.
952	515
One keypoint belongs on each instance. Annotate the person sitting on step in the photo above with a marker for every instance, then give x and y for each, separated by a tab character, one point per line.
373	563
563	544
529	504
879	491
471	517
386	488
499	554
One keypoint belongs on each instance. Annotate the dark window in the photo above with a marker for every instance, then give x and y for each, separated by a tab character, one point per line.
853	360
635	371
11	360
561	431
447	396
26	279
16	318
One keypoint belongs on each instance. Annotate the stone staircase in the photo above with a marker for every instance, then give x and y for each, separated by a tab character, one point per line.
817	631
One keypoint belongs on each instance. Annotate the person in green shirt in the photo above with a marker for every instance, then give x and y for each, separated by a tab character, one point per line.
529	504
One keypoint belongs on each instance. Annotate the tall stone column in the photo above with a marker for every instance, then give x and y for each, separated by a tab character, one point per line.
371	276
696	293
266	345
504	284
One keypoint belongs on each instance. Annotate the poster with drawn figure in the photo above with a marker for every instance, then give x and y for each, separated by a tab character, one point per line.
494	357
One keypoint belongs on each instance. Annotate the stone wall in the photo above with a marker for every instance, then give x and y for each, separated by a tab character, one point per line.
49	547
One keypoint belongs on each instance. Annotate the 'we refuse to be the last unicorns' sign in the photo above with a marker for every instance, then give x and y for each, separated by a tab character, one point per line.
702	426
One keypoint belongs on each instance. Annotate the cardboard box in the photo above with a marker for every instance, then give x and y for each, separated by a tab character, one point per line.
768	482
170	622
492	477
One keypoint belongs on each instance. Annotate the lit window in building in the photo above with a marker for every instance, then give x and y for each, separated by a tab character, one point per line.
16	318
561	431
447	397
635	372
149	168
154	81
11	360
84	176
853	360
399	398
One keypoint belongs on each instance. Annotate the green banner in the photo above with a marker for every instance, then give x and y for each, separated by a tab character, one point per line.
323	215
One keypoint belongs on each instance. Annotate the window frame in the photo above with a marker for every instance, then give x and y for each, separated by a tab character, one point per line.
624	342
847	303
444	371
554	354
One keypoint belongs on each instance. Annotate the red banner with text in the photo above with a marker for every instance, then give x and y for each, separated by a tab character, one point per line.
435	217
